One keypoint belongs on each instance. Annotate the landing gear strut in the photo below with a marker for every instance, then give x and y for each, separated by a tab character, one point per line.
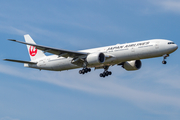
164	60
106	72
85	69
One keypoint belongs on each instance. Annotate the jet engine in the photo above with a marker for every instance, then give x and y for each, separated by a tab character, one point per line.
95	58
132	65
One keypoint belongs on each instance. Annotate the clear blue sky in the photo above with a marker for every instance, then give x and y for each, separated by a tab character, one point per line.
151	93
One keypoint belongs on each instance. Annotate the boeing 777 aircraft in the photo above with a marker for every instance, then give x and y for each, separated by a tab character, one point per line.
127	55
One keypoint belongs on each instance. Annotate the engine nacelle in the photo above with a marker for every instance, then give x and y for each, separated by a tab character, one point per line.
132	65
95	58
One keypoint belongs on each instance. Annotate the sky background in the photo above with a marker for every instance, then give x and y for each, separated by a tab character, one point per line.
151	93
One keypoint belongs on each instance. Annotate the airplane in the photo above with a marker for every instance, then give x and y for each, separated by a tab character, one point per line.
127	55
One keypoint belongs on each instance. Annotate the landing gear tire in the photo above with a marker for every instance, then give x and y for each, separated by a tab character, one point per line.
85	70
80	71
101	75
89	69
105	73
164	62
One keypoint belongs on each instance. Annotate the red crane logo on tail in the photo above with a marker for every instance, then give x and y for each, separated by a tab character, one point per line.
32	51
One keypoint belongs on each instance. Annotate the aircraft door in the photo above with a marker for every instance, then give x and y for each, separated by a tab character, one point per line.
156	46
42	63
134	53
157	49
132	49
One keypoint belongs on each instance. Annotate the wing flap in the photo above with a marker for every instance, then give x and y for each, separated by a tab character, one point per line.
20	61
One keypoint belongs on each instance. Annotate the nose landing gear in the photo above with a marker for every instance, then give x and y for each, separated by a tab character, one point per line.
164	60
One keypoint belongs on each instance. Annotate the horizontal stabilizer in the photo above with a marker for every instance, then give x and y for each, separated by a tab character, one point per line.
20	61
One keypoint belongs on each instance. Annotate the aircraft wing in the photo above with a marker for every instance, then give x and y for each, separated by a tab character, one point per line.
56	51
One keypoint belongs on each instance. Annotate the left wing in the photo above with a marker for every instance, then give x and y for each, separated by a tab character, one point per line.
78	57
59	52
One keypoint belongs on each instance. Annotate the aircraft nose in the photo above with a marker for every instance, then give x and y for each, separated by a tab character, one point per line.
176	47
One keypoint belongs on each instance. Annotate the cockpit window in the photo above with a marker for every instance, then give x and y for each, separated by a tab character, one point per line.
171	43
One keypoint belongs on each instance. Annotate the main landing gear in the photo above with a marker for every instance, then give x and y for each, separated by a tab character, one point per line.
84	70
164	60
106	72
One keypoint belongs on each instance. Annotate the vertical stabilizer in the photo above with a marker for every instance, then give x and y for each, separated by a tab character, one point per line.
34	53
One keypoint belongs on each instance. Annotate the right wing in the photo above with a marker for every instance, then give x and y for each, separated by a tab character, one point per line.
59	52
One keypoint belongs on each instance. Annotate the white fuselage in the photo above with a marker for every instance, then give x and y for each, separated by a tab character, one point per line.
120	53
